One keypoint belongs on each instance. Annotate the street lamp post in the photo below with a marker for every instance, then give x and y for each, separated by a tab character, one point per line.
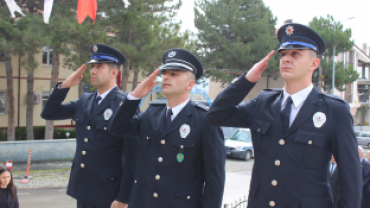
333	79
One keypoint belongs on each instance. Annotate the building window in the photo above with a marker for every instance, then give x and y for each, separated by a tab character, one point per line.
2	102
44	98
2	57
47	54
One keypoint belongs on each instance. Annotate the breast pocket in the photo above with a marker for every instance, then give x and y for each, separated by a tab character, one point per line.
259	138
185	147
310	147
102	131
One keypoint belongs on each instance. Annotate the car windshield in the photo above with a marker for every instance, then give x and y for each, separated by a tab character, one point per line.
242	135
228	131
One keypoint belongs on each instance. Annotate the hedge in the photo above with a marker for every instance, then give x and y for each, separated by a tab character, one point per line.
38	133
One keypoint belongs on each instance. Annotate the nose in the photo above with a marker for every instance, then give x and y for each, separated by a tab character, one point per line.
285	59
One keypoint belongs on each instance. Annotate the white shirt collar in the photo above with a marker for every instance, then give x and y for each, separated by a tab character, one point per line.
297	97
176	110
106	93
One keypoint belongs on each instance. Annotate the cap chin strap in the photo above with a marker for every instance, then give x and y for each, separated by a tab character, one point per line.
180	65
299	43
105	57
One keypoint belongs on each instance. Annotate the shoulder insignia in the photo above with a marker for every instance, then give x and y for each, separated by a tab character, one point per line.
201	106
158	102
335	97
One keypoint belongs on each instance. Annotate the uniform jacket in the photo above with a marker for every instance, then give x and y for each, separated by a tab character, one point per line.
161	181
98	175
8	201
365	202
334	179
290	170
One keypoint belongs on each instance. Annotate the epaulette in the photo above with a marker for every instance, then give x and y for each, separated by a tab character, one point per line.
335	97
201	106
158	102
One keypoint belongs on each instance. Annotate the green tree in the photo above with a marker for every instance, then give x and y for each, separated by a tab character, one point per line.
334	34
142	32
234	35
9	45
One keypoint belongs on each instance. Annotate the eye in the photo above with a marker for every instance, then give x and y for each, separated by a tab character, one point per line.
295	53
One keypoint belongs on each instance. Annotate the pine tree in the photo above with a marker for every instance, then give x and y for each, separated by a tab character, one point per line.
234	35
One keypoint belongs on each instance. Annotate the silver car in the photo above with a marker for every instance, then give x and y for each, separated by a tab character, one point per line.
363	138
240	145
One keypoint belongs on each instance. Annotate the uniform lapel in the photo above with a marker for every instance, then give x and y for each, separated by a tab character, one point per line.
161	120
276	109
306	112
106	101
182	118
88	104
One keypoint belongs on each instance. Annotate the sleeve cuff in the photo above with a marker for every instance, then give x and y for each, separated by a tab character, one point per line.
130	97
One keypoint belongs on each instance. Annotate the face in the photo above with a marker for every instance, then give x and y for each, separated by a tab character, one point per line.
176	82
361	154
101	75
5	179
296	65
368	156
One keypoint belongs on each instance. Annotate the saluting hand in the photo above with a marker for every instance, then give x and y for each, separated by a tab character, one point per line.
74	78
146	86
255	72
117	204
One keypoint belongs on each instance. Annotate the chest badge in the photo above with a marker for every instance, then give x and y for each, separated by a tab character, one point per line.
184	131
108	113
319	119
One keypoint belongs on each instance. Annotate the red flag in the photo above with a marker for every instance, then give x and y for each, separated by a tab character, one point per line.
86	8
118	80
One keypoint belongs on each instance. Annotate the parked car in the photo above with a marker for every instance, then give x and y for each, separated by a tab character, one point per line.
228	131
240	145
363	138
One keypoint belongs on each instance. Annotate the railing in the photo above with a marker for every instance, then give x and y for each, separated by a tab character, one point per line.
240	204
364	97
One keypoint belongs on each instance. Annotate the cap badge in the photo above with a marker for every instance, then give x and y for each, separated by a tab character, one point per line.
289	30
95	48
172	54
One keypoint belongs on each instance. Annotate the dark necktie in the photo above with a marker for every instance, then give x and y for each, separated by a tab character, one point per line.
285	114
96	102
168	117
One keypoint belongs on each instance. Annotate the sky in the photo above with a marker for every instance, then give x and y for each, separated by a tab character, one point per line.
303	11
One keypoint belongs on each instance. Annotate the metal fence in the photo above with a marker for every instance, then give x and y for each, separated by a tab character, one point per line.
241	204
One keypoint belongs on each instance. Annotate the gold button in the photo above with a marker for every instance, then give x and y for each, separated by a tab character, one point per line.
147	138
135	181
120	104
309	141
157	177
163	141
272	203
88	127
188	198
281	141
155	195
182	146
86	140
105	128
277	162
112	179
258	130
83	152
82	165
160	159
274	182
76	119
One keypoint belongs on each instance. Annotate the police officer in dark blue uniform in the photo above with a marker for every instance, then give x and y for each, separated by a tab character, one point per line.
295	130
182	157
102	172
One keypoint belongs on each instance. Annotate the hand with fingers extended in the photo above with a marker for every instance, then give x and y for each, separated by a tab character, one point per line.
74	78
146	86
255	72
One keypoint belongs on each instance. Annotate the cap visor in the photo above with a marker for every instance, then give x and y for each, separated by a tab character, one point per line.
98	61
175	66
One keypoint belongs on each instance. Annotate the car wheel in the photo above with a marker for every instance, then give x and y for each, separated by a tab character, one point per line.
247	155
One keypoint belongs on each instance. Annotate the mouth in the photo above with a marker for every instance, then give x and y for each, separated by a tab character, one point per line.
164	85
93	79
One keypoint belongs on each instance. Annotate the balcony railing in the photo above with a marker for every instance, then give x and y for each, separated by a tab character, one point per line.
363	97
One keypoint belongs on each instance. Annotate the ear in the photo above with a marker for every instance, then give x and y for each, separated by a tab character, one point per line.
315	64
190	85
114	72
